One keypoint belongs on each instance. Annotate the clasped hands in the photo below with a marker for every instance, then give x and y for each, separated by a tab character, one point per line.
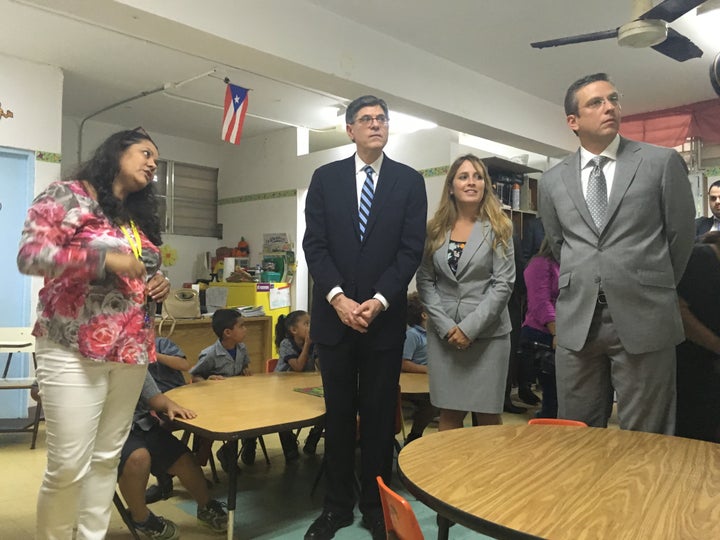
457	338
356	316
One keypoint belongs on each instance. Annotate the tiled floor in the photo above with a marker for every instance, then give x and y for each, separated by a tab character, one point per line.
273	502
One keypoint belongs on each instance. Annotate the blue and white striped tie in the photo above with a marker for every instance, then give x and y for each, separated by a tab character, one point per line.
366	198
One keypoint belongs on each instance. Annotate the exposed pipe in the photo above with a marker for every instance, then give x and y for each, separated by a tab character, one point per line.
214	106
128	100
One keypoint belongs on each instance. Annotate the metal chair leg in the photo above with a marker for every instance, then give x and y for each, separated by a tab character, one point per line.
125	516
262	445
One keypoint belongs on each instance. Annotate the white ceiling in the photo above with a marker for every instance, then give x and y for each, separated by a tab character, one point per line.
104	65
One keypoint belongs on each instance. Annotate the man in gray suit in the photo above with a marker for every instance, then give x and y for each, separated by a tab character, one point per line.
619	215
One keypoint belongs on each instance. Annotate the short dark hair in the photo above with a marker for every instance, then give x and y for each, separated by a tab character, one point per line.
571	102
716	183
415	309
224	319
359	103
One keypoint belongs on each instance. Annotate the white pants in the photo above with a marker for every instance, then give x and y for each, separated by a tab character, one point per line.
88	410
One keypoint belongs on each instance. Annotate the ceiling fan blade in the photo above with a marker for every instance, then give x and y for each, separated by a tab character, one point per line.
582	38
678	47
669	10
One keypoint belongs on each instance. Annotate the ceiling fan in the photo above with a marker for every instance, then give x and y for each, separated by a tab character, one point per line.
649	28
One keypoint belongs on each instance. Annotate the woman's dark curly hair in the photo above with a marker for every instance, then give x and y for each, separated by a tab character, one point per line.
100	171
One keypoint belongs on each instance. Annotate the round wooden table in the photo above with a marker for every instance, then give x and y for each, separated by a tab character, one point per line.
568	483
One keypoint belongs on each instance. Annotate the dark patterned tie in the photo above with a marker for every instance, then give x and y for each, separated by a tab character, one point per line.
596	196
366	198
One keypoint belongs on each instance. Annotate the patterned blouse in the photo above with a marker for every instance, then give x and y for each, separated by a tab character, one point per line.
455	250
101	315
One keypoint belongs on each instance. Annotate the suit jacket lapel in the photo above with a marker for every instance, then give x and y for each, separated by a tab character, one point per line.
626	166
478	236
348	192
573	184
441	261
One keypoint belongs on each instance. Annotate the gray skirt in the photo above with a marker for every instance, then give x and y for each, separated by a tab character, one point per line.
469	380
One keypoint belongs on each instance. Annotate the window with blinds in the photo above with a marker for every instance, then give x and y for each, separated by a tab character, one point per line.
188	198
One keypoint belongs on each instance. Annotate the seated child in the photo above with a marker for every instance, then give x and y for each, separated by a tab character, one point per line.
227	357
296	352
150	448
415	361
167	374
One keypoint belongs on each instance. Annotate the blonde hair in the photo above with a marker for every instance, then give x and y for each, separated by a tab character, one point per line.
489	209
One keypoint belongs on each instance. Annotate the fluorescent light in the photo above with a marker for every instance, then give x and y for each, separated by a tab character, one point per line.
399	123
404	123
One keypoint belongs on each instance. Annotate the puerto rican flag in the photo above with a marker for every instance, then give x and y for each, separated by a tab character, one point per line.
236	102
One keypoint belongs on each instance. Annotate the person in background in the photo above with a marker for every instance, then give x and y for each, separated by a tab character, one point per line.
227	357
706	224
95	241
296	352
538	330
465	281
698	357
365	220
532	236
151	448
518	372
415	361
619	217
167	374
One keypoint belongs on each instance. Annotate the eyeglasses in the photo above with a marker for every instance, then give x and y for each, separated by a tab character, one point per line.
367	120
596	103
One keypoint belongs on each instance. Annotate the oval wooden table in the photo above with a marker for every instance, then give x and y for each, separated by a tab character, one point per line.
239	407
567	483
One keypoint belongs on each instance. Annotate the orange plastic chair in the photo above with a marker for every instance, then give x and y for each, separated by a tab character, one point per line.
270	364
556	422
400	520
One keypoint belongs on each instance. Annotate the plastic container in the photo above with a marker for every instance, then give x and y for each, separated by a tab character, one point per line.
516	197
270	277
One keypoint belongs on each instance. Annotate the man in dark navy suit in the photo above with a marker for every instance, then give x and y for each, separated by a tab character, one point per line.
706	224
365	235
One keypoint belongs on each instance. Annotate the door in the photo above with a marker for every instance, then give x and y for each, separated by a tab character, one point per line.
17	174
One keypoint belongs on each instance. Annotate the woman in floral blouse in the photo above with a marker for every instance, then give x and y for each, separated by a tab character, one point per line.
95	241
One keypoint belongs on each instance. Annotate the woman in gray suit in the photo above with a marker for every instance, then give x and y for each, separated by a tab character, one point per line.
465	282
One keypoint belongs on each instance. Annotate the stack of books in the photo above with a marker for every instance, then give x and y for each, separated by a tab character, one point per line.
251	311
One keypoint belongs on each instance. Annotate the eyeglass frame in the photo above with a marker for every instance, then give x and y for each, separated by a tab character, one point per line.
595	103
366	120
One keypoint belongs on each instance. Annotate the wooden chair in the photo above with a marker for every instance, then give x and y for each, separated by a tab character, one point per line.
400	520
555	422
19	340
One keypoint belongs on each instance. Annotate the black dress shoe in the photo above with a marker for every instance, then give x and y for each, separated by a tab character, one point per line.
376	526
527	396
510	407
162	490
325	527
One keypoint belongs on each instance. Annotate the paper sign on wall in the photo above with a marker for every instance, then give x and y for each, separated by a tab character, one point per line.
280	298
